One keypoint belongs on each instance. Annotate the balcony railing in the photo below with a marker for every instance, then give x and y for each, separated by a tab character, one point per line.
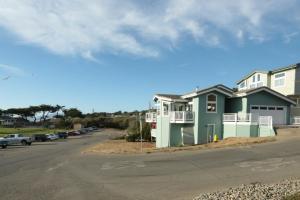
240	117
181	117
151	117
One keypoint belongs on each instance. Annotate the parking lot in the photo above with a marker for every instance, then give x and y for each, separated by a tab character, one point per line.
58	170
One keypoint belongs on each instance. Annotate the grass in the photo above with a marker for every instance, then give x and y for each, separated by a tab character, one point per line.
293	197
27	131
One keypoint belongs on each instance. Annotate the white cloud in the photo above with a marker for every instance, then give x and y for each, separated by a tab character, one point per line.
90	27
12	70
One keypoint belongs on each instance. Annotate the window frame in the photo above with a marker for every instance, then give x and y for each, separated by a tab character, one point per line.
211	102
280	78
164	113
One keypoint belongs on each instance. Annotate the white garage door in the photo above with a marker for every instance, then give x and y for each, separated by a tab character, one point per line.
278	113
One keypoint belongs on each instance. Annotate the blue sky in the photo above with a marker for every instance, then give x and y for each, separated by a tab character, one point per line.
114	55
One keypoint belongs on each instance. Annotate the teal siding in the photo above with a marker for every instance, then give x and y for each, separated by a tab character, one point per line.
236	105
162	131
202	118
176	136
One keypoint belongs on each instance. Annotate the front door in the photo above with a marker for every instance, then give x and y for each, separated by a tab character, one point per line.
210	132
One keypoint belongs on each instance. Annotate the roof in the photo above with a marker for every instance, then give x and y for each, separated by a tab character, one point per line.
170	97
293	66
220	88
249	75
266	89
184	98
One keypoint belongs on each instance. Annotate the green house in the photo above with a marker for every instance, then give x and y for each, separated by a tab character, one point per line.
217	111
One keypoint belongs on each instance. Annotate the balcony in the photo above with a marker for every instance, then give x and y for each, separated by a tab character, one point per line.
151	117
181	117
295	120
241	117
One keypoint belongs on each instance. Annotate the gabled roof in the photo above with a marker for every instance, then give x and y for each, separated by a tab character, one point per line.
293	66
219	88
169	97
184	98
265	89
280	69
249	75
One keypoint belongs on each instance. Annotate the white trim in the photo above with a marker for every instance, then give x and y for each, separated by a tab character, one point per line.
206	91
283	77
169	99
207	102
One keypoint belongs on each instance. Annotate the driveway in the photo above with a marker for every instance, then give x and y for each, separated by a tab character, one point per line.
59	171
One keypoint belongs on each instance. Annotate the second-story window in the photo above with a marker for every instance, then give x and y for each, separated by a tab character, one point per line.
242	84
211	103
258	77
253	79
165	109
279	79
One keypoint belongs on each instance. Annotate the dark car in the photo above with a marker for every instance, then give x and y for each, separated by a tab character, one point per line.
73	133
62	135
40	137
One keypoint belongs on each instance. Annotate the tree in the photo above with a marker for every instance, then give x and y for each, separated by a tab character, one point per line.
72	112
34	110
46	109
59	108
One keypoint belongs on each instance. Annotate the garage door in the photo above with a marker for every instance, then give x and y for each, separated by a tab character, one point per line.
278	113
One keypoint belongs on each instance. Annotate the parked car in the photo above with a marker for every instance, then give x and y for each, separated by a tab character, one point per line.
73	133
62	135
40	137
52	136
17	139
3	142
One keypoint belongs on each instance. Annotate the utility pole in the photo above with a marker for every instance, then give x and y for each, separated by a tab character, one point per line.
141	130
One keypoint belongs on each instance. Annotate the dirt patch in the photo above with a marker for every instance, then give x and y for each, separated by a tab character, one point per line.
119	147
123	147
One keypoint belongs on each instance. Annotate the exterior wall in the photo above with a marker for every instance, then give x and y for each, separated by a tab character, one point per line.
289	85
175	135
264	98
202	118
297	81
162	131
240	130
236	105
263	78
266	132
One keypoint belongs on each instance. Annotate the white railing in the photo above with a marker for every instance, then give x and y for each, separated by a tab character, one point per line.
296	120
181	117
151	117
266	121
240	117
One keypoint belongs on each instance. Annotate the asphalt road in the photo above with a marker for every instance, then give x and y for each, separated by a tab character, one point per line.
58	170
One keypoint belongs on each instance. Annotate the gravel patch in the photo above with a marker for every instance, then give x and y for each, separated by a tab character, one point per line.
256	191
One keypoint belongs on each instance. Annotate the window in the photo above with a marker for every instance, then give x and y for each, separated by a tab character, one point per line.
254	107
258	77
242	84
263	107
211	103
165	109
279	108
271	108
279	79
253	79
